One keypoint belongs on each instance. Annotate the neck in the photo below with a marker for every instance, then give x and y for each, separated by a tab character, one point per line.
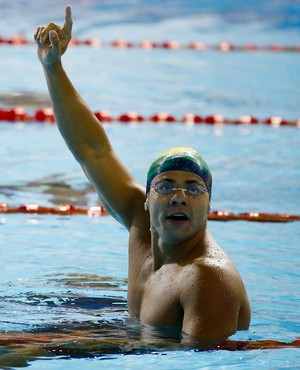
166	251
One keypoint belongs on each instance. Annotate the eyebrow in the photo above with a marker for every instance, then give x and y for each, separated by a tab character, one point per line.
188	182
166	179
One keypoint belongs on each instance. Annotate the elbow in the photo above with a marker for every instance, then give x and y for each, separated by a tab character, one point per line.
78	151
83	153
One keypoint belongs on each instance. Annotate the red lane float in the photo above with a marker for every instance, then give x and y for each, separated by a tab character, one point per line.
44	115
18	114
83	342
252	216
162	117
15	40
130	117
69	209
63	209
223	46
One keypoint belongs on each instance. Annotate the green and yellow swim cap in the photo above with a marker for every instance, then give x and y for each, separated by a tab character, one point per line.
180	159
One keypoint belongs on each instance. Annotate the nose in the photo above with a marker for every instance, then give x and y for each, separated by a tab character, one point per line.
178	198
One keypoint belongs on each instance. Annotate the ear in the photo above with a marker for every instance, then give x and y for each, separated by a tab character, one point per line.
146	205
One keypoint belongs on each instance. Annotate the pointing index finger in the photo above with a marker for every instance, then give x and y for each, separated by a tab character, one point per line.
68	20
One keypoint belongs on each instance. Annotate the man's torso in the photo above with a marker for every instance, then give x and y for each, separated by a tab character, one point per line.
154	296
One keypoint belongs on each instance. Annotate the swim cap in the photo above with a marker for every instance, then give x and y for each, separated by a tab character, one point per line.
180	159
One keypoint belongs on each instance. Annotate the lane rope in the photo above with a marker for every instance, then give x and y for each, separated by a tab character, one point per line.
122	43
97	211
19	114
85	342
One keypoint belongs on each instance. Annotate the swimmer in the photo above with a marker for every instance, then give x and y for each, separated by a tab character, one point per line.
179	277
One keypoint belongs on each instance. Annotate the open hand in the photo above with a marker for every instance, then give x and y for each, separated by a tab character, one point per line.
53	40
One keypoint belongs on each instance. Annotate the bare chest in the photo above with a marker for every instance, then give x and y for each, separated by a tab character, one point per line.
154	296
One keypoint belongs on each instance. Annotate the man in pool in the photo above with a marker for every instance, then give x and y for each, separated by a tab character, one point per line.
179	277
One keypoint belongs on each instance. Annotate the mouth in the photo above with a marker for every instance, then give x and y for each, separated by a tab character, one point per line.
177	217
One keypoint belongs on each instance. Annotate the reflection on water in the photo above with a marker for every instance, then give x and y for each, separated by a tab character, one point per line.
108	330
93	325
54	186
95	340
24	98
90	280
111	331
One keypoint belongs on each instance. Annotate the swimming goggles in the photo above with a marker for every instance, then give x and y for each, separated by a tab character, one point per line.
166	188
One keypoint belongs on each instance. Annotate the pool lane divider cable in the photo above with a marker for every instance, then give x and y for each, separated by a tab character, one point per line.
85	343
45	115
121	43
67	209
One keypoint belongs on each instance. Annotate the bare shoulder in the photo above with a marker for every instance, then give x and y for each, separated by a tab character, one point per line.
209	284
206	272
213	275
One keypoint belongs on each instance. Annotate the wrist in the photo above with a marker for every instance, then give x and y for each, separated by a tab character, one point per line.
53	67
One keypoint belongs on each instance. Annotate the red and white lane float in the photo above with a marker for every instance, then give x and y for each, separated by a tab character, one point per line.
97	211
198	45
45	115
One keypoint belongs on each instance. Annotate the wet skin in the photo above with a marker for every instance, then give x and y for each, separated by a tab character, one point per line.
187	281
178	275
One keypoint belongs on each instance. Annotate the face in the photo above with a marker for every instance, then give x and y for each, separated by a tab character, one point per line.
177	216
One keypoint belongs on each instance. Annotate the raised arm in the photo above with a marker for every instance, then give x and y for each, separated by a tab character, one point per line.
82	131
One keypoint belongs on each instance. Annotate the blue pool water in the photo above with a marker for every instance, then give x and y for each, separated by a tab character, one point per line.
59	272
